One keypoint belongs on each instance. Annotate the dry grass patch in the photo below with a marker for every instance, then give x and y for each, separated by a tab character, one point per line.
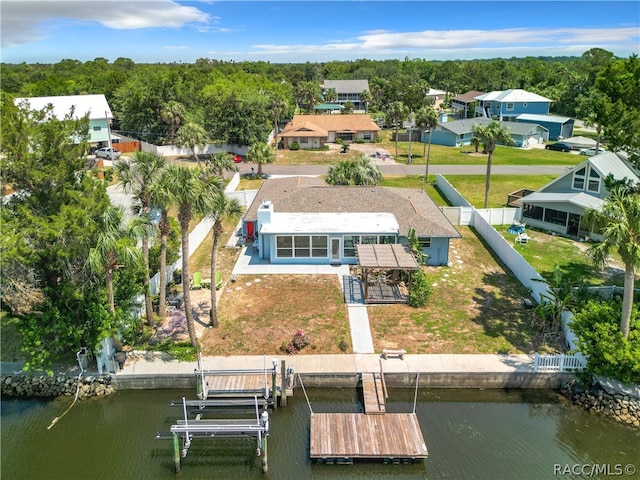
476	307
259	314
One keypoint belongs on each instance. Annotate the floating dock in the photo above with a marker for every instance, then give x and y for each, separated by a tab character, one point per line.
375	434
343	437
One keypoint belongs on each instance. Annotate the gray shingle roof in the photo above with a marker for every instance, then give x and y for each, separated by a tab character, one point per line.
347	86
412	208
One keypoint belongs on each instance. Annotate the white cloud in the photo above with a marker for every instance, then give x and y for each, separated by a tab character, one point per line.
441	41
22	21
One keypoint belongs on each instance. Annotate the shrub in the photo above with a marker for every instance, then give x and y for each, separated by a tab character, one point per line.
299	341
339	141
182	351
294	146
421	290
359	140
609	353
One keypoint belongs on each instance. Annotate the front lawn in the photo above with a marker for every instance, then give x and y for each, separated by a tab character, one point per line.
466	155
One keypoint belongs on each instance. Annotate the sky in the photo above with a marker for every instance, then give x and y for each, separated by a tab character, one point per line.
150	31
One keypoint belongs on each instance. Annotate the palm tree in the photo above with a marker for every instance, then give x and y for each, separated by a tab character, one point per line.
397	112
222	209
220	162
160	197
278	107
172	113
358	171
192	194
137	177
366	97
330	95
619	222
262	154
490	134
427	119
114	247
193	135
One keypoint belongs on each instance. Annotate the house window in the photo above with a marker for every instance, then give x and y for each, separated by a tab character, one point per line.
532	211
97	129
367	135
578	178
304	140
302	246
387	239
509	106
369	239
349	245
524	105
425	242
319	245
555	216
594	181
284	246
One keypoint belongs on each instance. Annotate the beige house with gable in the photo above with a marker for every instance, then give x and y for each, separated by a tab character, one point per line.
313	131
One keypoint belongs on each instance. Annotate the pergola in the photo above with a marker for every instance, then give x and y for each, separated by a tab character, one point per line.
386	271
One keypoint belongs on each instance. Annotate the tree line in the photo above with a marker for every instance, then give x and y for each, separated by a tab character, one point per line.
241	102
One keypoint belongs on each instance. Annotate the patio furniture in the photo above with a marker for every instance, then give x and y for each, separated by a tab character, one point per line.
522	238
218	280
196	281
206	283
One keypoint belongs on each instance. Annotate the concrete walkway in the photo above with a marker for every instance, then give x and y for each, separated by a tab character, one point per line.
145	363
360	329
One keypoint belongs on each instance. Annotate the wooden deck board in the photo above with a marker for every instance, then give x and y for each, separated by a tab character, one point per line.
373	393
236	385
356	435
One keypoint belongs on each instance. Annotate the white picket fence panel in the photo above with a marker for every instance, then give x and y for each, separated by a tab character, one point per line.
559	363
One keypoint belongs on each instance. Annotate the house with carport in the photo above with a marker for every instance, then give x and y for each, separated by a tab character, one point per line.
302	220
560	205
313	131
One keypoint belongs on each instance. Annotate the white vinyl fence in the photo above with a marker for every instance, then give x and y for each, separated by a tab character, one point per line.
482	220
559	363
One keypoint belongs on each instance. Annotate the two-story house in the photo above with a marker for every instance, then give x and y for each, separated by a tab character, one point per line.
96	106
508	104
348	91
560	205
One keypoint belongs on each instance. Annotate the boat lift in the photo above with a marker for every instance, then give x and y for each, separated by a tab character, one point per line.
188	429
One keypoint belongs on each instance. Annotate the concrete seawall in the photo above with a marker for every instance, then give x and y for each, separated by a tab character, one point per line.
351	380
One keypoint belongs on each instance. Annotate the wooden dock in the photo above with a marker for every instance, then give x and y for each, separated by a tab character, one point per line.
349	436
373	393
238	385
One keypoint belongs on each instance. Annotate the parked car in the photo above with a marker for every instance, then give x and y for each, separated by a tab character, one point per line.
559	146
590	152
236	158
107	152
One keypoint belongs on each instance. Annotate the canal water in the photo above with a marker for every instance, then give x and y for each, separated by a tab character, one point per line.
479	434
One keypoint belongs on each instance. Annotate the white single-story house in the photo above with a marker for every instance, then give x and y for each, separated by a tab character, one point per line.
96	106
313	131
560	205
303	220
